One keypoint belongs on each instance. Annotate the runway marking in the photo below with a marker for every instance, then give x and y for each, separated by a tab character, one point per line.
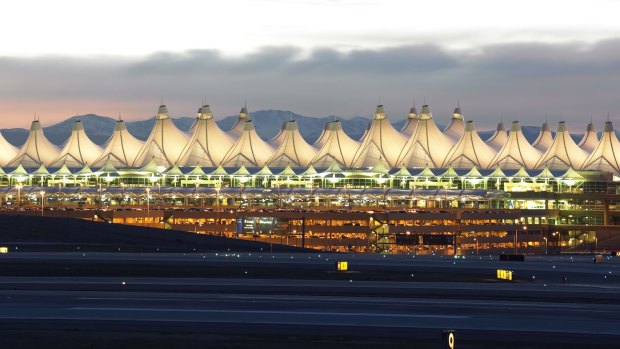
444	303
273	312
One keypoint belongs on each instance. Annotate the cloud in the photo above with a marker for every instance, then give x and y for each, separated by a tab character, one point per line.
528	81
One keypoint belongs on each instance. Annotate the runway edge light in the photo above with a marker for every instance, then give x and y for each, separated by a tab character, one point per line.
448	339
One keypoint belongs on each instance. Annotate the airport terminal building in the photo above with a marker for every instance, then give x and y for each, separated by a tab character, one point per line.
415	190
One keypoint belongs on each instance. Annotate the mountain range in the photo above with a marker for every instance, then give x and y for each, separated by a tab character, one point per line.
267	123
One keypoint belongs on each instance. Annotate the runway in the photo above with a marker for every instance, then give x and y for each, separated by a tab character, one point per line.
526	312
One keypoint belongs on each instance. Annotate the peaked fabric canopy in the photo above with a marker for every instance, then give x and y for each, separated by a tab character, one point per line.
428	146
78	150
544	139
334	145
606	155
121	149
236	131
37	150
563	152
249	150
499	138
590	139
208	144
517	152
7	151
292	150
470	151
381	141
165	143
411	124
456	128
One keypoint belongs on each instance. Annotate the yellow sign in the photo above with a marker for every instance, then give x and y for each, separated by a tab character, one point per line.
4	249
504	274
342	266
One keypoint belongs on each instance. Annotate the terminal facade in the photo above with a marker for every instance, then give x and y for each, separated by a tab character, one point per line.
416	190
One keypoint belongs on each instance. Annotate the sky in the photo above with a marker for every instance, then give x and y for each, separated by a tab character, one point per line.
500	60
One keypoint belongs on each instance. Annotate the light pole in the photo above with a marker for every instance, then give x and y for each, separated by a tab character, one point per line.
517	238
19	196
122	193
42	201
158	193
546	249
476	240
148	204
595	244
217	215
100	196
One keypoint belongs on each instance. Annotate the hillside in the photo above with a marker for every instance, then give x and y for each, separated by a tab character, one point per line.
37	233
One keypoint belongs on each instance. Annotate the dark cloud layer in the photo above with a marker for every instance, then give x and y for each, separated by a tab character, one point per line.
525	81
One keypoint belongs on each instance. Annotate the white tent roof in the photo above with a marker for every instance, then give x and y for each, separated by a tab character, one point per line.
606	155
292	149
428	146
456	129
165	143
499	138
249	150
37	150
325	134
121	149
236	131
191	129
590	139
381	141
470	151
7	151
544	139
78	150
517	152
334	144
411	124
208	144
563	152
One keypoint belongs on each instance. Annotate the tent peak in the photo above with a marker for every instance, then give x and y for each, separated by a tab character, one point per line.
562	126
457	113
426	112
380	112
609	127
162	113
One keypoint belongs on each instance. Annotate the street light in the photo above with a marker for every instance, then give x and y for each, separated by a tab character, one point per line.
122	193
517	238
476	240
217	214
42	201
148	204
19	196
158	193
100	196
546	249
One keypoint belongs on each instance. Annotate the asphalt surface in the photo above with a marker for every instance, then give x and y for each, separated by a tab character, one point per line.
555	299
